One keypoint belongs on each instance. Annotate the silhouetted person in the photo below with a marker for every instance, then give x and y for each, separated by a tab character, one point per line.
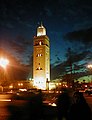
63	104
15	113
79	110
34	107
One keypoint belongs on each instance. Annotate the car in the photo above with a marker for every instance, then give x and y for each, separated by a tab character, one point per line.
22	95
26	94
82	90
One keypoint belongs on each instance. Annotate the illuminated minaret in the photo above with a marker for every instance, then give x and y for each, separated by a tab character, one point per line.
41	59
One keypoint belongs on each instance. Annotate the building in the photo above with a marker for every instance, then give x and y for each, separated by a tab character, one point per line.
41	59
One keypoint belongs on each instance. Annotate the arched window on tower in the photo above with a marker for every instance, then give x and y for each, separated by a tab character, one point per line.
39	55
40	43
39	68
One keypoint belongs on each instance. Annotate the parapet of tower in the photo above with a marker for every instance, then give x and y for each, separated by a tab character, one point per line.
41	30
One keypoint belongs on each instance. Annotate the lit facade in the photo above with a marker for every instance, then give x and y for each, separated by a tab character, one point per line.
41	59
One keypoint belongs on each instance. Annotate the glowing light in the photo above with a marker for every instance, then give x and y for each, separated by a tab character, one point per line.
40	43
11	86
52	104
85	85
30	78
5	99
23	89
56	83
90	66
39	83
3	62
20	84
41	31
52	86
59	83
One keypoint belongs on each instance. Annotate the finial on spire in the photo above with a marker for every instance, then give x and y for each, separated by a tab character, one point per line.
41	24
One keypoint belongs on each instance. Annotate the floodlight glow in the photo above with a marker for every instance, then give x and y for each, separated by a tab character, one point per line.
3	62
90	66
39	83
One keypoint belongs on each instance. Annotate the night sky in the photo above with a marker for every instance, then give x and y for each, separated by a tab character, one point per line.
68	24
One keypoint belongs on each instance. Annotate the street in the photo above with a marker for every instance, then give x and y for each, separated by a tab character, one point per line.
5	101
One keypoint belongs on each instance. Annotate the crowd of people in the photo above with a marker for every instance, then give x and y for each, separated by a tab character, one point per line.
73	107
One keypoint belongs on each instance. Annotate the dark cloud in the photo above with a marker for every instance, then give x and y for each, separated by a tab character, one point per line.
17	47
63	67
57	71
79	56
84	36
20	44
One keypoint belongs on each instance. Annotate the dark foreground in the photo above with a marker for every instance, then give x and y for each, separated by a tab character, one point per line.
18	109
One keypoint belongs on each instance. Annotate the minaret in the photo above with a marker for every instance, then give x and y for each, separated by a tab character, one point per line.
41	59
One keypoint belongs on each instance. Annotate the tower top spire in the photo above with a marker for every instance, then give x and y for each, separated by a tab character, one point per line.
41	30
41	23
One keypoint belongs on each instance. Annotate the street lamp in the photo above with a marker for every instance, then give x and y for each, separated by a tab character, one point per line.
90	66
3	63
